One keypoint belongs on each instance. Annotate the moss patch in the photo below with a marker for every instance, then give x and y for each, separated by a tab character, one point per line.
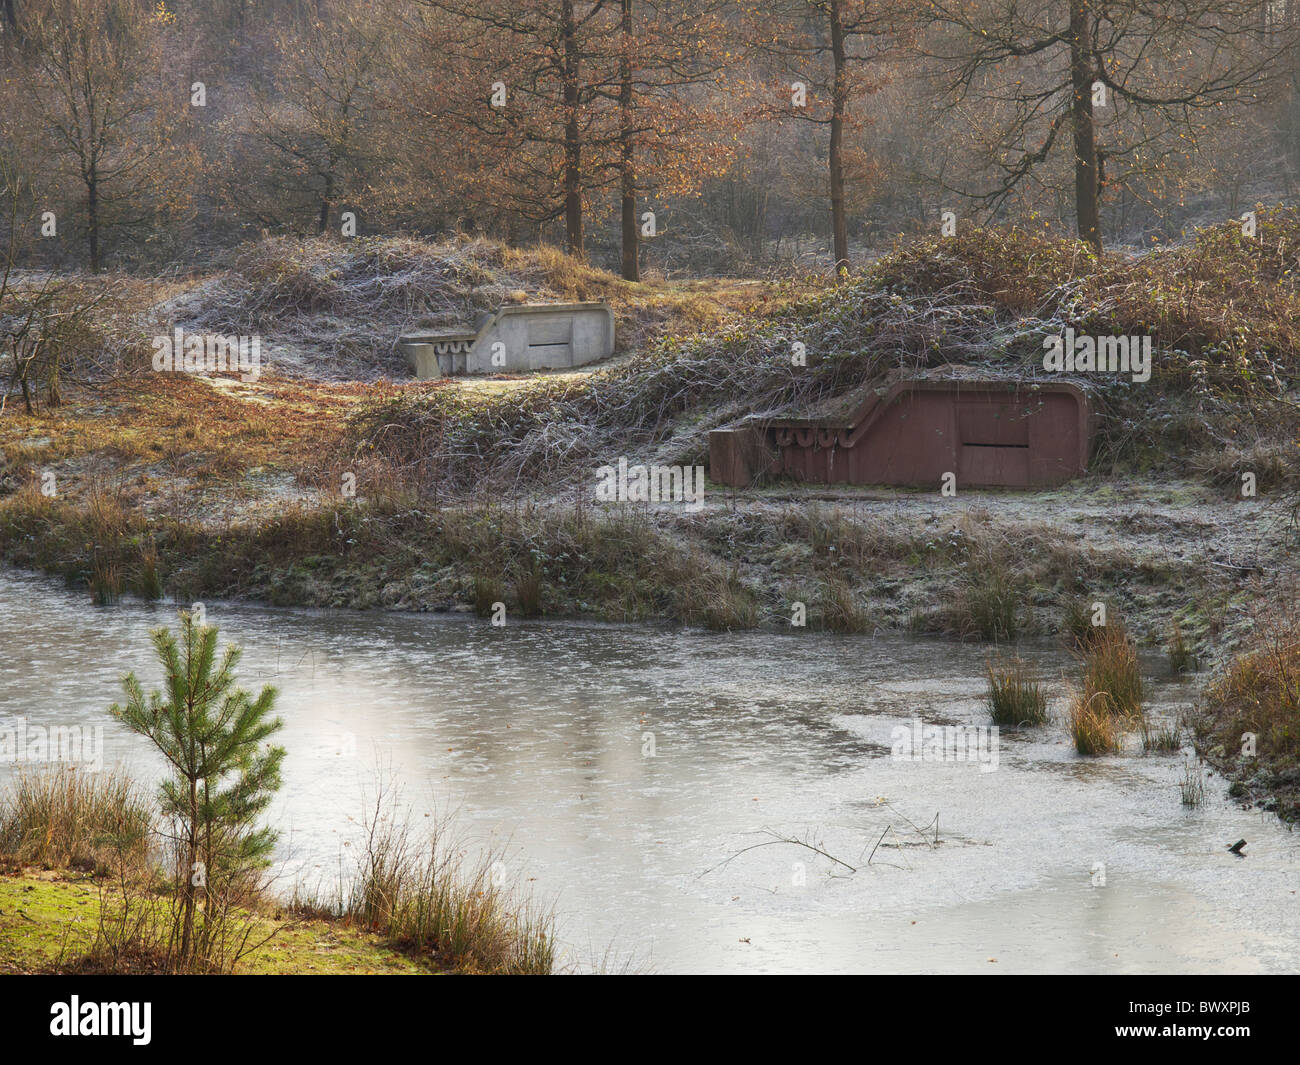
47	922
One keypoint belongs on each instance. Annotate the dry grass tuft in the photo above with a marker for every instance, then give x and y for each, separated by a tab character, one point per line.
1092	727
72	819
1112	682
422	893
1015	696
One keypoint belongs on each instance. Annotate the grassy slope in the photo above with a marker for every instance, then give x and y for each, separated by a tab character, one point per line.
209	449
1220	310
223	489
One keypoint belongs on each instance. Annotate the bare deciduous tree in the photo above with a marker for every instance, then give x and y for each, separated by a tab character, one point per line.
1034	78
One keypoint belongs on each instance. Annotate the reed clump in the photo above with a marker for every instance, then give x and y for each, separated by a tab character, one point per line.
71	819
1111	677
421	893
1015	696
1092	728
840	609
1181	658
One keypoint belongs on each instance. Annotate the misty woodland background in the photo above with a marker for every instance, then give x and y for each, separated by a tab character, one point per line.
161	131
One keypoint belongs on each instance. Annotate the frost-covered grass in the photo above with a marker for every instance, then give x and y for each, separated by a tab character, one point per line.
1221	312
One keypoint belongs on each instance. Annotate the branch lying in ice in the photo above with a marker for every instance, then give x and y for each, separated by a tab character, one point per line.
794	841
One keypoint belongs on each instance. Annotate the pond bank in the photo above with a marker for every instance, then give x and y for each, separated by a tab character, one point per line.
991	566
48	917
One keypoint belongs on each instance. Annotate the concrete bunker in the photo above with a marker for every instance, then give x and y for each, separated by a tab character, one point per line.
514	338
987	433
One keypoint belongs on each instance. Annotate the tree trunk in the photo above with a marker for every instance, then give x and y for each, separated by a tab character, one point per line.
326	197
1291	122
203	938
53	390
1086	192
23	368
627	166
11	18
572	137
187	875
839	100
92	217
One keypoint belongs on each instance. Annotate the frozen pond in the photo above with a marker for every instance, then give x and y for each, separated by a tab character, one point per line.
539	735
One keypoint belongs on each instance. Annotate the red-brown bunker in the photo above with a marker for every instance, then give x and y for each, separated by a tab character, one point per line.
988	433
